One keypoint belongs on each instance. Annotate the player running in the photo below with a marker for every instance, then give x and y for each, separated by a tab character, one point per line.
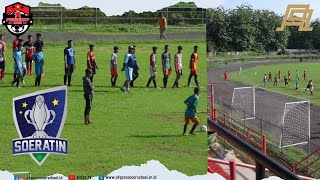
270	77
297	74
297	84
191	111
114	66
289	75
88	95
193	67
275	83
279	74
30	49
310	87
128	68
166	65
91	62
304	75
18	65
264	80
135	73
39	62
286	81
178	66
226	76
153	68
3	49
69	62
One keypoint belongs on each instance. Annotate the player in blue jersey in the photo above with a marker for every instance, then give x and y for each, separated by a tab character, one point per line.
39	62
69	62
18	68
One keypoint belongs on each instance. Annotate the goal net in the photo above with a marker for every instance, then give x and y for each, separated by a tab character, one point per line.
243	103
285	119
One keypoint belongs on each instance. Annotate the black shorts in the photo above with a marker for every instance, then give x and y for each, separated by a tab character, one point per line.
70	69
179	73
88	98
28	60
2	65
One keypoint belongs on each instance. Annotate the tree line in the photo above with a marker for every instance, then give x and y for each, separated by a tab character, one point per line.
246	29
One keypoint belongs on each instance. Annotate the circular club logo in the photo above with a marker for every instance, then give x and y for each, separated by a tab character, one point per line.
17	18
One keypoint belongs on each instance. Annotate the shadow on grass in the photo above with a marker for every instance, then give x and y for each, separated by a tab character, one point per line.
156	136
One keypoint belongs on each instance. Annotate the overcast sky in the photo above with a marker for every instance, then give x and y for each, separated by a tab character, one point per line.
118	7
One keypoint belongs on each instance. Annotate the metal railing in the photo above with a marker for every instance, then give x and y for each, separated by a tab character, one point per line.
262	161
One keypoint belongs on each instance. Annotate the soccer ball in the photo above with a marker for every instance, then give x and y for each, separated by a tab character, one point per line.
203	128
17	28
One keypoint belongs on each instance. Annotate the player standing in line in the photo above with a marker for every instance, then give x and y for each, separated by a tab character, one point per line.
193	67
114	66
264	80
297	74
289	75
88	95
270	77
163	26
3	49
69	62
135	73
191	111
37	44
29	45
304	75
178	66
166	65
91	62
153	68
18	65
279	75
14	48
39	62
286	81
297	84
128	68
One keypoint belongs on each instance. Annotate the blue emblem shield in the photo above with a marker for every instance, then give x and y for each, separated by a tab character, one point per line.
39	118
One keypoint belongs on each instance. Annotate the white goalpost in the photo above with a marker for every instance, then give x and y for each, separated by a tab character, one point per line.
243	103
284	118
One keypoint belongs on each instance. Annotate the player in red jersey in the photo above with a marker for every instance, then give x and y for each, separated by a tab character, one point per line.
91	62
30	49
304	75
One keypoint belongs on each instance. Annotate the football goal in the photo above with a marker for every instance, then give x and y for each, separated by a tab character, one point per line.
284	118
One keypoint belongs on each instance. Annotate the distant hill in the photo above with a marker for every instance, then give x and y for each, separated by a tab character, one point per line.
176	14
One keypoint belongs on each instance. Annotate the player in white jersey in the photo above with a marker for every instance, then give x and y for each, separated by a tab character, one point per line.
178	66
153	67
114	66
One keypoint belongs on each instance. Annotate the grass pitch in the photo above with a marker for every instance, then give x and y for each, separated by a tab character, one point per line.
127	129
254	76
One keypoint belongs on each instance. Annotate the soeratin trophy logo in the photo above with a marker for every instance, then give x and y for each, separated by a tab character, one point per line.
39	118
17	18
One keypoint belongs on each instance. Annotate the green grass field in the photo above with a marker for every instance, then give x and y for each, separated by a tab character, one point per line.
127	129
248	77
